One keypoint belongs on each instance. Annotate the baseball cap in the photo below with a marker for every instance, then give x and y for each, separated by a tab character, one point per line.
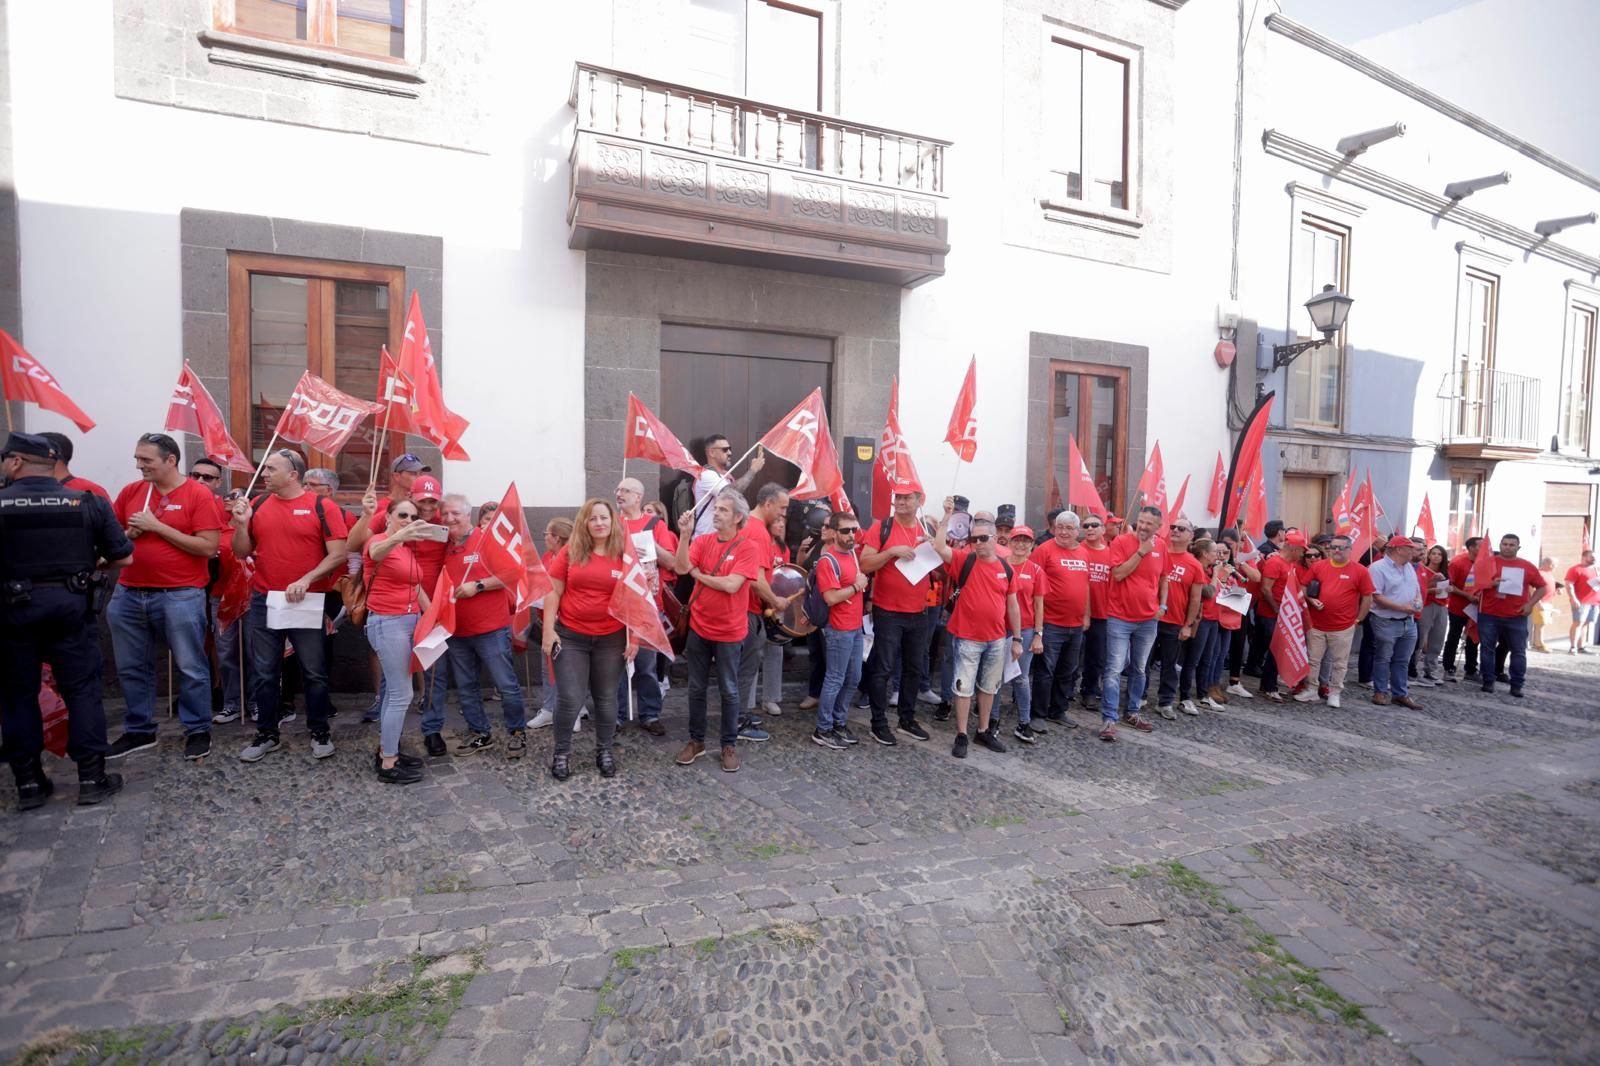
426	488
407	462
1021	531
1005	515
1296	539
29	444
1397	541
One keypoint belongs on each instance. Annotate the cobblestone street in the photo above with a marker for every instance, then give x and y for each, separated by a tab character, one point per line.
1365	885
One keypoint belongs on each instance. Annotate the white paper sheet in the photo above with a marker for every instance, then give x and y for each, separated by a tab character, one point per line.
1510	581
1013	669
307	614
1471	611
866	634
1235	599
429	650
920	565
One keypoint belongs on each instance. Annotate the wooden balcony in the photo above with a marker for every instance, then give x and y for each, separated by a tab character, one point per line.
1489	414
672	170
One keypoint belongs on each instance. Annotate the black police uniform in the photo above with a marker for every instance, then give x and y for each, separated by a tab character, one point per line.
50	540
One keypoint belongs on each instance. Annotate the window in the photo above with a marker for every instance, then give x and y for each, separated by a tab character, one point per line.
1090	404
1087	124
287	316
383	28
1316	378
1466	507
1480	300
1577	378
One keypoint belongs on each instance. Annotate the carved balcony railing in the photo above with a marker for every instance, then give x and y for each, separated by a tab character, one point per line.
1489	414
671	169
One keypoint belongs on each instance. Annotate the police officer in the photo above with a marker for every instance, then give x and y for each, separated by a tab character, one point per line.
52	540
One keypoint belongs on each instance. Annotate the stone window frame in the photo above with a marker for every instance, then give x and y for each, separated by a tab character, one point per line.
1580	298
312	59
1054	33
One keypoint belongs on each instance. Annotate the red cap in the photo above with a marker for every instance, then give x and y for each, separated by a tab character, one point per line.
1113	518
1296	539
426	488
1021	531
1397	541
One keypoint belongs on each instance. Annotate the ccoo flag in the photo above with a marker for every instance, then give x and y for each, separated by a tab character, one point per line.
647	437
798	438
430	417
25	380
320	416
962	435
194	411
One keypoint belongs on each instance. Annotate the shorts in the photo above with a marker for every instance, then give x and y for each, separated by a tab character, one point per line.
983	661
1586	614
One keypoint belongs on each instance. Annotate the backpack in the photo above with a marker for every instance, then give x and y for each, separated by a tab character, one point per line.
682	498
961	583
815	606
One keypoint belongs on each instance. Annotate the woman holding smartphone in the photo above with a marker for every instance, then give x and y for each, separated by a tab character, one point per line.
395	599
587	645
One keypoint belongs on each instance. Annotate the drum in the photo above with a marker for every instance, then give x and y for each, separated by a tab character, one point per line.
791	622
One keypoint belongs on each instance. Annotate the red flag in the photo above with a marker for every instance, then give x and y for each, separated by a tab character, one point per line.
396	392
1177	506
1219	482
510	554
892	471
798	438
1363	528
963	432
1081	491
1586	543
1378	514
53	709
1247	457
829	472
1153	482
1342	517
321	416
1289	636
634	605
1425	520
192	410
431	418
233	588
647	437
1485	570
1256	513
438	622
23	378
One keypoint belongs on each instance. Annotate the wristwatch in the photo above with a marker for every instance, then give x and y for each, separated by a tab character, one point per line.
479	584
1017	638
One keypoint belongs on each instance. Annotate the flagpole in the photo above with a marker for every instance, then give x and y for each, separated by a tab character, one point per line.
722	480
265	455
377	445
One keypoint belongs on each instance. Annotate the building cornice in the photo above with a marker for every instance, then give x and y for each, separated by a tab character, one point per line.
1383	75
1172	5
1337	166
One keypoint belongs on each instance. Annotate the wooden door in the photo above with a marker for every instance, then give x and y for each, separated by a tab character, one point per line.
1305	503
1561	529
1089	404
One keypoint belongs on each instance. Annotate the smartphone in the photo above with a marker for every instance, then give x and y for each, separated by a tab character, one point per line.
428	531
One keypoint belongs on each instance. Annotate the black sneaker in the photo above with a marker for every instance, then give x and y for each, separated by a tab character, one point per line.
410	762
959	748
1025	734
197	745
1517	692
911	729
434	744
826	740
35	793
1504	679
92	792
399	774
1038	729
988	739
884	735
844	734
128	743
941	713
1470	675
474	743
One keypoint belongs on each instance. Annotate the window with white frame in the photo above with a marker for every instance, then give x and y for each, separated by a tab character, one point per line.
1316	378
1577	376
1089	109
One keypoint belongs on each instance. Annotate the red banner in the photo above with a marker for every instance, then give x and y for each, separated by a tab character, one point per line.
797	437
429	416
892	471
1363	527
1176	510
320	416
1289	636
1256	512
1342	516
1153	483
194	411
1081	491
1219	485
1247	459
634	605
1425	520
24	379
647	437
510	553
962	435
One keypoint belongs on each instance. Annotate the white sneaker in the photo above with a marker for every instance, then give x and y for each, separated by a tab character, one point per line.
577	727
322	749
927	696
1333	700
1213	704
1305	695
542	720
1188	707
809	703
894	699
772	709
666	685
1238	689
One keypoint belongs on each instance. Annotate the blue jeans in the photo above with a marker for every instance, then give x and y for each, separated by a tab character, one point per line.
899	642
1495	635
1063	661
1393	640
701	654
1208	657
178	616
492	652
646	688
266	666
843	650
390	637
229	664
1125	641
1094	658
1022	685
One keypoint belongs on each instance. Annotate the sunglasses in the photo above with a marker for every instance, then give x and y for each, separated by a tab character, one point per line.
847	531
1182	529
404	516
196	475
1092	525
979	538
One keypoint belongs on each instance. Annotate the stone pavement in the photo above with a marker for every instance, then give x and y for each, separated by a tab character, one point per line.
1362	885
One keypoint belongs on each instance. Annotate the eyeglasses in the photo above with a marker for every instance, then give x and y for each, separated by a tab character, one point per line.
195	475
979	538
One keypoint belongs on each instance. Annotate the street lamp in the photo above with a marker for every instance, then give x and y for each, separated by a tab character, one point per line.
1328	309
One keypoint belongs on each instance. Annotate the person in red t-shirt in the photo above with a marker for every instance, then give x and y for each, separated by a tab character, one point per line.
721	562
1096	552
395	600
68	479
772	501
1069	593
900	630
1031	590
1462	591
985	623
403	473
1583	597
844	587
1275	575
587	644
1338	597
1134	600
653	541
481	641
1503	610
298	541
1173	656
174	524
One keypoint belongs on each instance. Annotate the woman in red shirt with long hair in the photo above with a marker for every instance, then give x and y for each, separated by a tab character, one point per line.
395	599
587	645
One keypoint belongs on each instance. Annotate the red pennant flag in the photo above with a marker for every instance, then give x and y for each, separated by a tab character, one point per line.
1485	570
1289	636
24	379
510	554
892	471
438	622
320	416
1081	491
233	588
396	392
430	417
1247	458
634	605
1379	516
1363	527
194	411
963	432
1219	482
1176	510
1342	516
798	438
1425	520
647	437
1153	482
1256	513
